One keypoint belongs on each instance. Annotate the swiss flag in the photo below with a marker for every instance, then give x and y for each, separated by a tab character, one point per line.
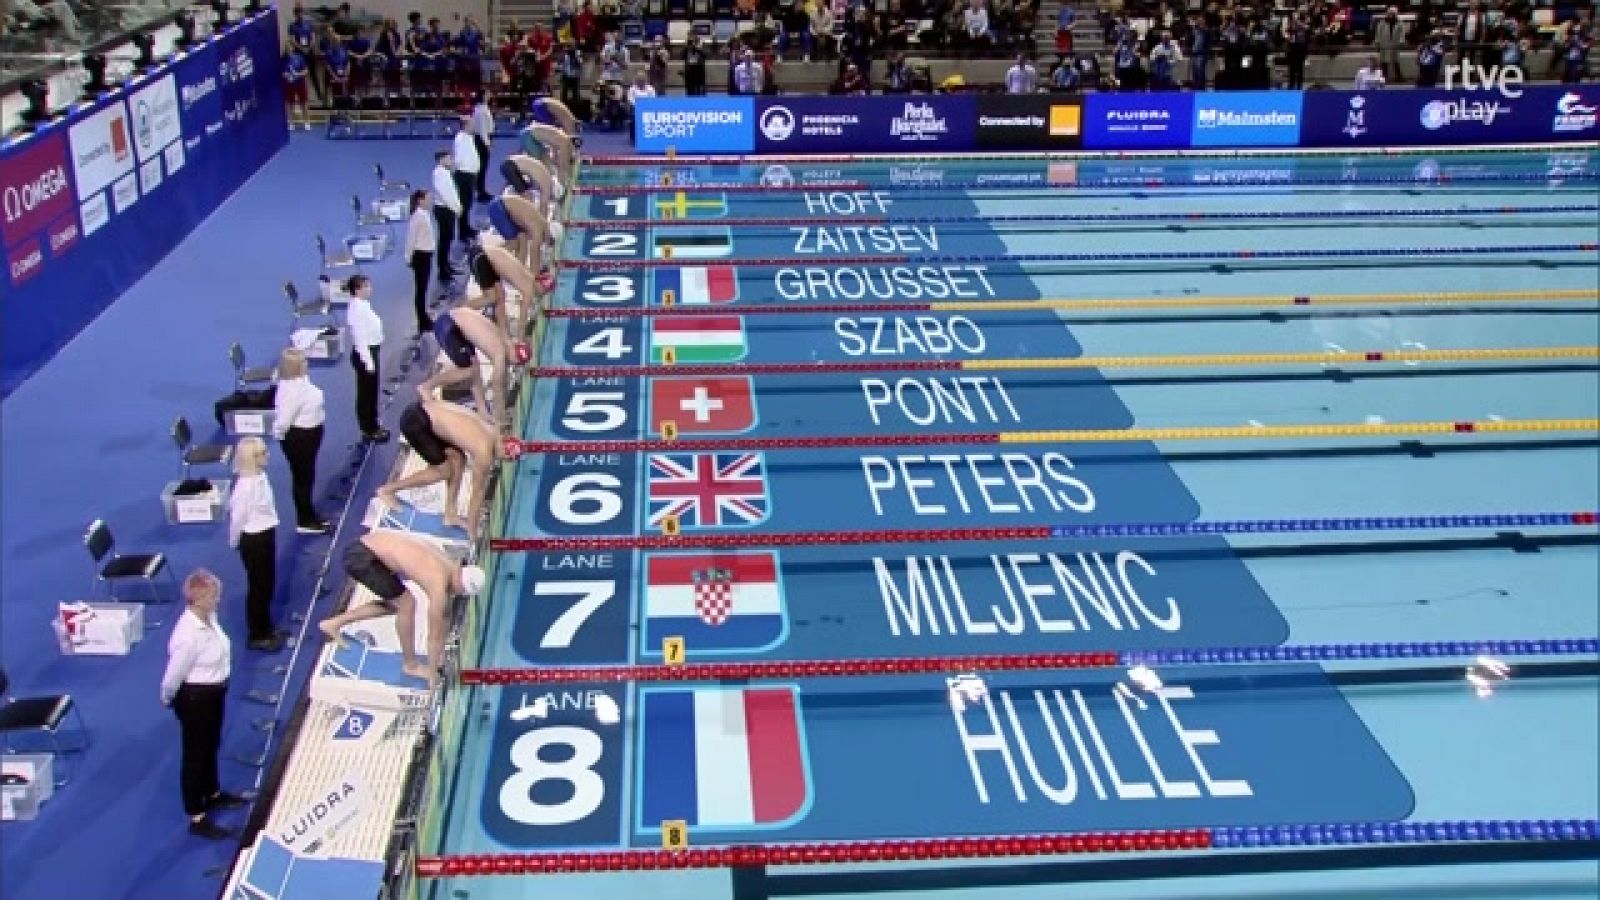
703	405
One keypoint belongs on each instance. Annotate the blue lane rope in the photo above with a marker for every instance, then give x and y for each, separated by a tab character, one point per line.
744	223
1470	831
1292	526
1390	650
1148	256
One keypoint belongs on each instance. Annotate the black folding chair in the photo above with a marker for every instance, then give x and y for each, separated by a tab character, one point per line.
111	567
42	714
192	454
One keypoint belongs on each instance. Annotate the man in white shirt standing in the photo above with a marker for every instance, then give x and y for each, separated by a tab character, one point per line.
1022	78
482	134
446	209
195	686
366	351
464	150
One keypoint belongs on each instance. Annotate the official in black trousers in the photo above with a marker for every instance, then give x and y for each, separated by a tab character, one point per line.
253	530
446	209
195	686
297	423
482	135
421	242
464	155
366	350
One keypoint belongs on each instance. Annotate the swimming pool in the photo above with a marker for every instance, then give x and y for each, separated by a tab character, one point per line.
1212	295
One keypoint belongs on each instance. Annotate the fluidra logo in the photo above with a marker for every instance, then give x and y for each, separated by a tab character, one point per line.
1355	120
918	122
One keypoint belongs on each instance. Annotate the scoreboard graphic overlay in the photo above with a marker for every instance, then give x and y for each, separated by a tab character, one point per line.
605	765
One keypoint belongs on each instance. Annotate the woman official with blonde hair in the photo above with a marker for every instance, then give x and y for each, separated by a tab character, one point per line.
195	686
253	528
298	414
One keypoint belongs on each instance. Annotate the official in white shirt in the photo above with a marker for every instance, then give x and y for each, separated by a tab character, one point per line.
297	422
1370	76
446	209
253	529
464	150
421	238
366	351
195	686
482	135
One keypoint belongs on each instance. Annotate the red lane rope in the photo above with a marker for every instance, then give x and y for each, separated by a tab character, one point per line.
707	369
592	312
619	190
515	447
743	221
792	539
456	866
797	668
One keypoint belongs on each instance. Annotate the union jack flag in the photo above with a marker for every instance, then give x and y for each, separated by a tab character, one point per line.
708	490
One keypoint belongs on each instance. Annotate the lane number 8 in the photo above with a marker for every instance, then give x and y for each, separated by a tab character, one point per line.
588	788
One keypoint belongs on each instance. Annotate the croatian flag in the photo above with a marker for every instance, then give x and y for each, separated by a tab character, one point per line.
721	758
716	602
697	285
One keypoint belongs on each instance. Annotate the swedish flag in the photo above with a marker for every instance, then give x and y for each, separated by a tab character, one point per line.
681	206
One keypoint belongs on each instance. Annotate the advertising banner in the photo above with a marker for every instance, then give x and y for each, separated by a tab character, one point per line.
1137	121
1029	122
1486	115
96	185
881	124
695	124
1247	119
35	196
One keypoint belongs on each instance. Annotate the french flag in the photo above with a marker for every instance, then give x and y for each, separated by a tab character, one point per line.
698	285
722	758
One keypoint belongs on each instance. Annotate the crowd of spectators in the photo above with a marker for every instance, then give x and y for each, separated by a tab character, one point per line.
599	57
1235	44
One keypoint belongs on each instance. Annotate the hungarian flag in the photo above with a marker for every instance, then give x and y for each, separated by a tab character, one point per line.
722	758
717	602
683	205
698	339
697	285
703	405
693	243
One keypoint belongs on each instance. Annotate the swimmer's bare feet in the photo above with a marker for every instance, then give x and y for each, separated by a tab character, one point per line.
386	496
421	670
330	629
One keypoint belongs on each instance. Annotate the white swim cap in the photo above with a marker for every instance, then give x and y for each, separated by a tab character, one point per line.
472	579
